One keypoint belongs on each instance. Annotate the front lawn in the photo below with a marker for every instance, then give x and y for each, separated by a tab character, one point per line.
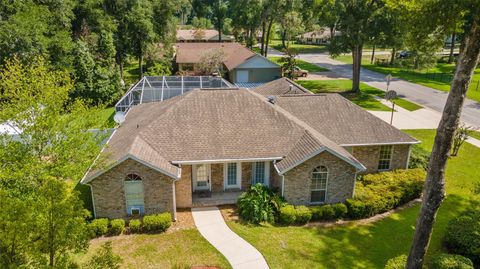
370	245
176	249
423	77
298	48
301	64
365	99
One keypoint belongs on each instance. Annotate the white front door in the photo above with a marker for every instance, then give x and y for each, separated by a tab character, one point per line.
242	76
201	177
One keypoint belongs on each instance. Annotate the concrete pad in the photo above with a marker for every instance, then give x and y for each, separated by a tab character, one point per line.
238	252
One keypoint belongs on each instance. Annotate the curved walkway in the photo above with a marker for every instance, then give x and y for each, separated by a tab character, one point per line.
239	253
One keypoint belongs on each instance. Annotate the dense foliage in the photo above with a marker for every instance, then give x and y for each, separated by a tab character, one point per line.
105	258
259	204
462	235
419	158
398	262
157	222
449	261
377	193
117	226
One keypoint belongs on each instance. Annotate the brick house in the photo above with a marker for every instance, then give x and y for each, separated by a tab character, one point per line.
208	145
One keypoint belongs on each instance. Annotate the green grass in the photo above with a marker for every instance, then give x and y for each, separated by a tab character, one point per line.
177	249
104	118
367	246
298	48
365	99
301	64
475	134
418	76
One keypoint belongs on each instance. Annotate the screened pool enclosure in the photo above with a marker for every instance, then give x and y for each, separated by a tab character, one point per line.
151	89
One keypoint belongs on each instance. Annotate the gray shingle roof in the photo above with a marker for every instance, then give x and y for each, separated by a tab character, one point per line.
280	86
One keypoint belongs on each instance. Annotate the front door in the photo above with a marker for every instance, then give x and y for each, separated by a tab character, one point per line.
201	177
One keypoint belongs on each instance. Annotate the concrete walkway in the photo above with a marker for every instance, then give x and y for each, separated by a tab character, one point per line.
239	253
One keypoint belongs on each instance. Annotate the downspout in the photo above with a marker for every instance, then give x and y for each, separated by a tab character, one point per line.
93	201
408	158
354	183
174	201
283	184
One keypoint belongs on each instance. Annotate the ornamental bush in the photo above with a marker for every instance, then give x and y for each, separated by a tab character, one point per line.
157	222
419	158
450	261
259	203
302	214
398	262
116	226
340	210
98	227
287	215
134	225
380	192
462	235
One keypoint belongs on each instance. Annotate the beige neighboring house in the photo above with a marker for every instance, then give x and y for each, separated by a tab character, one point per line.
201	35
207	146
320	37
240	64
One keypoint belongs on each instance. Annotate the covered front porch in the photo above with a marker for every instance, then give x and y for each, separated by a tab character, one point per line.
208	198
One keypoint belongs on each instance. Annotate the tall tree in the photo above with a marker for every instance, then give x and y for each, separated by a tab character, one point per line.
356	23
434	190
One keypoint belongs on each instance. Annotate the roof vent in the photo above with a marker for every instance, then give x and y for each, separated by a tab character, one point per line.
290	88
272	99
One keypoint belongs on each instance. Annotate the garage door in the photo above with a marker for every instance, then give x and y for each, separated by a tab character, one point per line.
242	76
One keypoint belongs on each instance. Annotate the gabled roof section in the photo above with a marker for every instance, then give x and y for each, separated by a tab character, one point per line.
200	35
235	53
258	61
280	86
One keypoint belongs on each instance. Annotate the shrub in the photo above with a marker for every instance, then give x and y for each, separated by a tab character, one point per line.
419	158
117	226
398	262
135	225
287	215
98	227
259	204
316	212
105	258
302	214
157	222
327	212
450	261
380	192
462	236
340	210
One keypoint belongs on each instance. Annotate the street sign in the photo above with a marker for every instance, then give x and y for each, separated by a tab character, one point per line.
390	95
388	78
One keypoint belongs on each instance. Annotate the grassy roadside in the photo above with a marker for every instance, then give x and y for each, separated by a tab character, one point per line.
419	76
365	99
367	246
298	48
301	64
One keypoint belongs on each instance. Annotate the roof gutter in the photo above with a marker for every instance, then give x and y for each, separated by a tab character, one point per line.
380	144
228	160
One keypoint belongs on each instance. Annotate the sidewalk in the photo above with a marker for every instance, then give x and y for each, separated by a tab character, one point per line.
238	252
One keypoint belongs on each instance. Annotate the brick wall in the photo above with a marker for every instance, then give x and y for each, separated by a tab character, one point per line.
340	183
246	175
183	188
109	195
368	156
217	177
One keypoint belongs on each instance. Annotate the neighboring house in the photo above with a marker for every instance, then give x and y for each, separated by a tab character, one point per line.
240	64
208	145
201	35
321	37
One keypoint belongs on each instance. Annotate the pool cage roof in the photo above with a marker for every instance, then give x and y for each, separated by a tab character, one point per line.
151	89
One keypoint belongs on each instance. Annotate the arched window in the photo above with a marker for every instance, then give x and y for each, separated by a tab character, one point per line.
134	195
318	186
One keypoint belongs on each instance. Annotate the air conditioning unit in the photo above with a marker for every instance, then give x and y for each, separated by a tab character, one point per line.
135	211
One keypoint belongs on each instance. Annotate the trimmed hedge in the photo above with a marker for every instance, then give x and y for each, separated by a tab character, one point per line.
294	215
398	262
328	212
117	226
157	222
450	261
134	225
462	235
380	192
302	214
98	227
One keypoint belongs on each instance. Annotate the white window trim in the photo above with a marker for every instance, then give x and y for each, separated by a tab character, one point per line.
266	180
389	162
326	188
239	176
194	176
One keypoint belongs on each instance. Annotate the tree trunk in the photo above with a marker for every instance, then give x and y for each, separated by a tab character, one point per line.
373	55
269	29
434	190
262	40
357	63
219	34
140	64
284	35
332	32
452	48
392	59
250	37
